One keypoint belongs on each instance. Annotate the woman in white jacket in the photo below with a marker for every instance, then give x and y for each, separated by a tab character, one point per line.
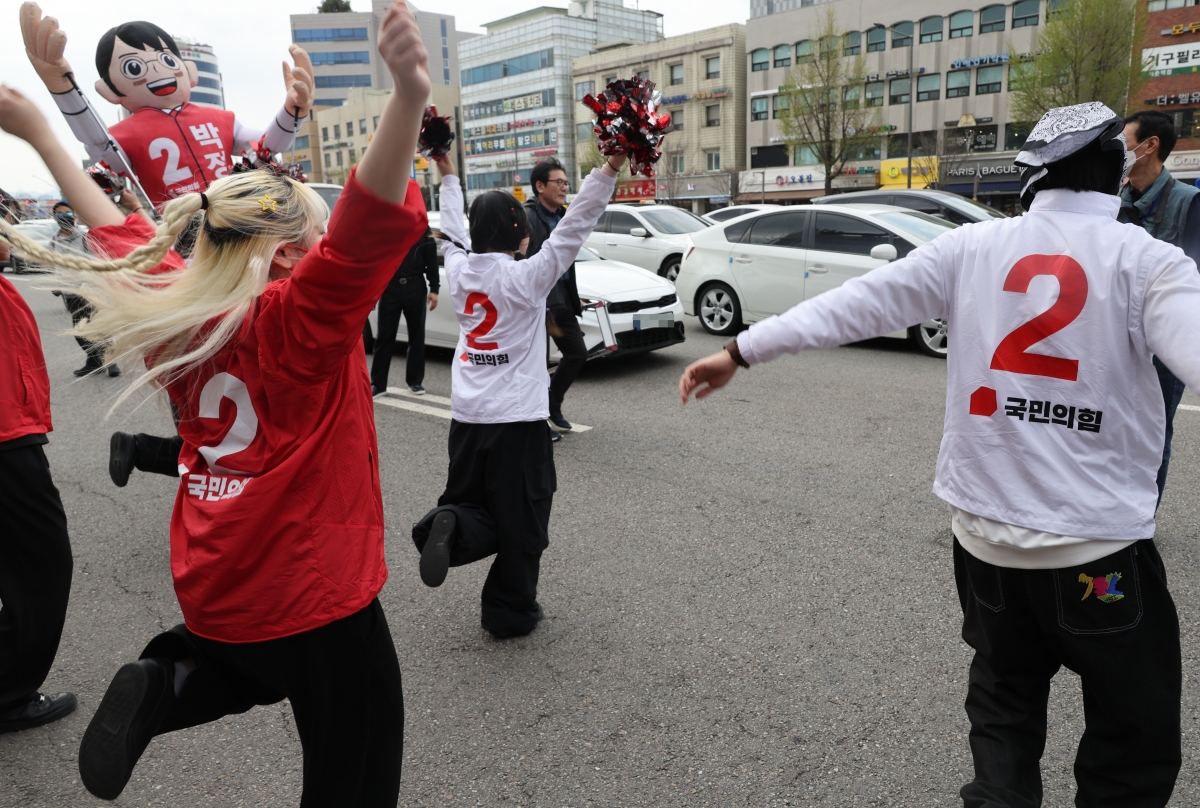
501	479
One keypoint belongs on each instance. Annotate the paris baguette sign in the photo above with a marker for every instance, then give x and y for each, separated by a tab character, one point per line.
983	170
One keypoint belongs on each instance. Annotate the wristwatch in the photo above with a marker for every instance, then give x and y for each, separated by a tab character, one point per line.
735	352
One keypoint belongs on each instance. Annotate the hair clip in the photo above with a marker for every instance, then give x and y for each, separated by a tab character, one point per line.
267	204
203	201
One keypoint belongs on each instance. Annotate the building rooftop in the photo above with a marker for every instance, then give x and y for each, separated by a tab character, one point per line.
524	16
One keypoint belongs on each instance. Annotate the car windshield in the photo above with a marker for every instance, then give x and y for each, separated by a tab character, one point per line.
971	204
673	221
330	195
585	254
921	226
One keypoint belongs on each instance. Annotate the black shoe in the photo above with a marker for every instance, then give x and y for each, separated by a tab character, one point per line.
40	709
555	436
435	558
113	370
122	448
88	369
557	419
375	391
507	635
139	698
541	615
417	389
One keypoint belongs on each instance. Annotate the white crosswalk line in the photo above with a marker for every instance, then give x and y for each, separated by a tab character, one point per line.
432	399
1191	407
405	405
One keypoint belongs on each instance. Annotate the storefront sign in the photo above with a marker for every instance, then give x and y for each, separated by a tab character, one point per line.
721	93
891	74
994	171
976	61
506	106
675	99
1182	28
1183	161
507	126
695	186
894	173
537	139
1175	100
634	190
1170	60
783	178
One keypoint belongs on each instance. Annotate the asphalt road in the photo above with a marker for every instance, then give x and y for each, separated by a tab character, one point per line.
749	601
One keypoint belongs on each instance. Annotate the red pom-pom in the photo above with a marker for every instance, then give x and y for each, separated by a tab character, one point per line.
627	122
109	181
436	135
261	158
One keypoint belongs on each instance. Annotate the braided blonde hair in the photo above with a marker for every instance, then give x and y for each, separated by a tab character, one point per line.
176	320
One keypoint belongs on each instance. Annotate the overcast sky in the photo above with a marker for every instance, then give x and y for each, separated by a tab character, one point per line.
250	39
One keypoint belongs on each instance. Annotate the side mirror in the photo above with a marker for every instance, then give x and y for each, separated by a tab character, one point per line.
884	252
638	232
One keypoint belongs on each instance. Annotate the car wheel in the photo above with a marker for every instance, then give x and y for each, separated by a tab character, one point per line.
930	338
719	310
670	267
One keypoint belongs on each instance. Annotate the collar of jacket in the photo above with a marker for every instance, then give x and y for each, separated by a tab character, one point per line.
1089	203
1149	199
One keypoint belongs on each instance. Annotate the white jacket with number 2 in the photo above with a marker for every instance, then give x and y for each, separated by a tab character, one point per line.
499	373
1054	414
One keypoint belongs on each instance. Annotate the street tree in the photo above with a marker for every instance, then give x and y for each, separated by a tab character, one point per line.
1084	52
333	6
824	111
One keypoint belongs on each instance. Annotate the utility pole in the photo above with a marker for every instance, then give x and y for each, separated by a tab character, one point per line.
912	88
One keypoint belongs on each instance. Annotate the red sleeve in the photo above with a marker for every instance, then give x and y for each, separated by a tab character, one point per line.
318	314
118	241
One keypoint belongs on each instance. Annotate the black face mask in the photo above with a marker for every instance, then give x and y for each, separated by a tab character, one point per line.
65	220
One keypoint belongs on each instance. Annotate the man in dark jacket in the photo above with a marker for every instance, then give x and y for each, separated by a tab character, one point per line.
545	211
407	295
1167	209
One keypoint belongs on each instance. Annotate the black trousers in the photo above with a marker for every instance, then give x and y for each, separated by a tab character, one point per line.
410	299
574	355
501	485
1112	622
1172	389
80	310
157	455
343	683
35	572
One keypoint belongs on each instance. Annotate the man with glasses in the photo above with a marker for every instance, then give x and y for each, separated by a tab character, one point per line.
545	211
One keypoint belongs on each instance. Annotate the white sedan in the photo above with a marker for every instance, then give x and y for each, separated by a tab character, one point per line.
766	262
642	307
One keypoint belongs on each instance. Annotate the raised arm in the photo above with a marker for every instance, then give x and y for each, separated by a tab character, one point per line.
453	226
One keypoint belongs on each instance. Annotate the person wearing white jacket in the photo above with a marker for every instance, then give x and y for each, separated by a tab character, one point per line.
501	480
1053	437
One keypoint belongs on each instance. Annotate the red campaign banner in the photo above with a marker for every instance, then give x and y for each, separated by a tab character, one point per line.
630	190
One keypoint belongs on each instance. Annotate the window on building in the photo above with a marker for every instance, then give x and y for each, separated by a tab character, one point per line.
931	29
1055	6
353	157
306	166
852	44
760	59
1018	71
329	82
644	73
977	138
324	134
375	123
779	105
337	131
830	45
924	144
509	67
876	39
871	150
783	56
991	19
677	164
962	23
1025	13
768	156
328	158
900	92
583	132
758	109
609	80
712	67
712	115
1015	135
677	119
902	33
301	142
988	80
329	35
851	97
362	126
1162	5
583	89
339	159
340	57
805	51
929	88
676	74
874	93
958	83
349	128
712	161
205	81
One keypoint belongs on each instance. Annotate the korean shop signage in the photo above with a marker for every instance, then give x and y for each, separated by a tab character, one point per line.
1170	60
1181	28
704	96
976	61
1174	100
536	139
891	74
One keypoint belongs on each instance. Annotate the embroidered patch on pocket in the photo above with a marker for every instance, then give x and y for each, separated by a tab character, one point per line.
1102	597
1105	587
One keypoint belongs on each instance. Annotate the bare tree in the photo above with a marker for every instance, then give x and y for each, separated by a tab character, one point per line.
825	110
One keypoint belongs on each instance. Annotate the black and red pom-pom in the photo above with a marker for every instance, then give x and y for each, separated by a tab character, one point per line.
436	135
628	122
109	181
263	159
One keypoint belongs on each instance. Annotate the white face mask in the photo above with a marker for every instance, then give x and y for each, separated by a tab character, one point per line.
1131	159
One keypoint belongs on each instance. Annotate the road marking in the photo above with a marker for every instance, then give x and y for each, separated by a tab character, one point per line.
439	412
1191	407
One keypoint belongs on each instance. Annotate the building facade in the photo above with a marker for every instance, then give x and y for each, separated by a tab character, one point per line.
961	78
1171	65
702	77
209	90
517	90
344	47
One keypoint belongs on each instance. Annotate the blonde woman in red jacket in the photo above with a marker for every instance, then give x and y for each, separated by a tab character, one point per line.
277	532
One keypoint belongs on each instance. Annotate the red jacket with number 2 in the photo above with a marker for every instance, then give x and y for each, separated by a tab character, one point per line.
278	523
24	384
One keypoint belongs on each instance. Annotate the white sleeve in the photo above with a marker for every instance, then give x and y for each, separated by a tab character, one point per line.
1170	312
540	272
901	294
452	218
281	132
90	130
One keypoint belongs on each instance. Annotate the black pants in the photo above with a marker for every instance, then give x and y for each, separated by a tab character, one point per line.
410	299
80	310
1121	635
501	485
574	354
35	572
157	455
343	683
1172	389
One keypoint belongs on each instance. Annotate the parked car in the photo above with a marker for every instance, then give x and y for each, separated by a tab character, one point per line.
764	263
41	231
733	211
942	204
648	236
643	309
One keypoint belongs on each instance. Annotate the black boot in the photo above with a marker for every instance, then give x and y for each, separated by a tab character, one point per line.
122	449
435	558
140	696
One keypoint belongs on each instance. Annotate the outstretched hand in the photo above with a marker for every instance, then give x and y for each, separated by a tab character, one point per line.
21	118
403	51
713	372
45	44
301	87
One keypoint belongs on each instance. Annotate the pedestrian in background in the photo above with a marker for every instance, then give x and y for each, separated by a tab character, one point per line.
1169	210
68	240
544	212
35	550
407	295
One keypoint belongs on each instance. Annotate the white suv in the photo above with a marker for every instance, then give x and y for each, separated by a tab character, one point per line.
652	237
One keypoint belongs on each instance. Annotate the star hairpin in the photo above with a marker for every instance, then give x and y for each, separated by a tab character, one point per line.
267	204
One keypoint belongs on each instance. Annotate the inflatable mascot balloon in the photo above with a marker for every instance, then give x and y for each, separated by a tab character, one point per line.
169	146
